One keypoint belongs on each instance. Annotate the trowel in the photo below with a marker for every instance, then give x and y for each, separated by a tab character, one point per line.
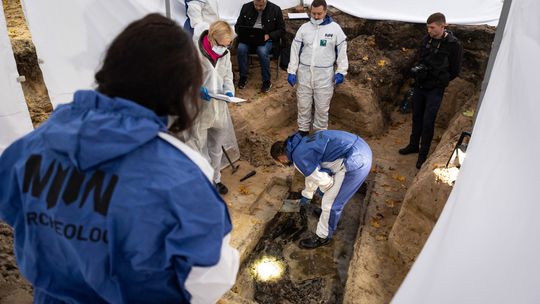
290	205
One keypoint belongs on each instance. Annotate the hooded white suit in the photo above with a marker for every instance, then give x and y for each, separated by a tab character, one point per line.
209	131
201	14
314	51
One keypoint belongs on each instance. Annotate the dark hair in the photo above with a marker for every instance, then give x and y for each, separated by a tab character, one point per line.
154	63
277	149
436	17
317	3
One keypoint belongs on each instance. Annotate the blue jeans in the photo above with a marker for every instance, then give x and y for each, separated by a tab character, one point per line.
263	51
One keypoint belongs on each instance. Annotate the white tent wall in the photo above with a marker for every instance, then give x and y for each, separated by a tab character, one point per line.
14	117
71	36
485	246
457	11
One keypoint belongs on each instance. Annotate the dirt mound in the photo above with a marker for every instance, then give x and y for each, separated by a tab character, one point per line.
13	287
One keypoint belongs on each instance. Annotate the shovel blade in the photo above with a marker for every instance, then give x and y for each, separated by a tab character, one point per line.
290	205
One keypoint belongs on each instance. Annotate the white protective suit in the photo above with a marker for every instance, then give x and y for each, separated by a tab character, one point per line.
209	131
201	14
313	54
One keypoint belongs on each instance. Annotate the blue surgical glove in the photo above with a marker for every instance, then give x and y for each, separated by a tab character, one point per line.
230	94
319	192
291	79
339	78
304	201
204	94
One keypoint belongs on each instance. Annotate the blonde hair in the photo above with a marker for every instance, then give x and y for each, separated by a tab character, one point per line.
220	30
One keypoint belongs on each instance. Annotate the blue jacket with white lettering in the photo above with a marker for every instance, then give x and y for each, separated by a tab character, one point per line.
106	211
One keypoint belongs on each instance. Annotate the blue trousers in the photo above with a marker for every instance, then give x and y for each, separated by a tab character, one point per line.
263	51
346	184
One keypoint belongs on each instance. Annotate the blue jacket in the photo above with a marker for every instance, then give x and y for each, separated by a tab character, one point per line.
106	211
309	152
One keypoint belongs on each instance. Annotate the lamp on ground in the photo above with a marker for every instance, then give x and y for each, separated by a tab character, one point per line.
460	150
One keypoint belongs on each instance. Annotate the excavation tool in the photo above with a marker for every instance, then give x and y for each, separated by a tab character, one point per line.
290	205
234	168
250	174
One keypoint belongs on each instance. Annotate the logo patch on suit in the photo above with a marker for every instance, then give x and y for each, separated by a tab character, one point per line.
323	42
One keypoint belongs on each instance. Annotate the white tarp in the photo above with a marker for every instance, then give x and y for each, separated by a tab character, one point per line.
70	36
485	248
456	11
14	117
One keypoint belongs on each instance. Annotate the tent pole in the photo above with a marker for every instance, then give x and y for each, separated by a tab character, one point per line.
494	50
168	8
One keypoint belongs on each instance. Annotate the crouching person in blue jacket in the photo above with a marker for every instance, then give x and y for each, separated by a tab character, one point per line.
335	163
107	207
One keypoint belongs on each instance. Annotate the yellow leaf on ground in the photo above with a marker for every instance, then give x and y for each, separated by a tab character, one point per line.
243	190
392	203
381	237
399	177
381	63
365	58
375	223
469	113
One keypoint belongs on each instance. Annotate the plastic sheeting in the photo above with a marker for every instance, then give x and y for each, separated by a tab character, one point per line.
14	117
486	244
72	36
456	11
71	54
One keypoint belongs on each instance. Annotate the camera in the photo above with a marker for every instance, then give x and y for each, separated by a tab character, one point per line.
417	69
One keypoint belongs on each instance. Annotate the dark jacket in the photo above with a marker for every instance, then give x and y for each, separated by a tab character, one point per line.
442	57
271	19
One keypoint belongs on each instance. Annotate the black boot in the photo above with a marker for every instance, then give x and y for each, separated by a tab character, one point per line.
242	83
266	85
303	133
313	242
409	149
222	189
421	159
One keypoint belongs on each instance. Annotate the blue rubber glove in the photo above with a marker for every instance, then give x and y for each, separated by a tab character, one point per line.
291	79
339	78
319	192
204	94
230	94
304	201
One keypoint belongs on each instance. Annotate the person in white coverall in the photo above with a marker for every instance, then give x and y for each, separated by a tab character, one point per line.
210	129
200	14
317	46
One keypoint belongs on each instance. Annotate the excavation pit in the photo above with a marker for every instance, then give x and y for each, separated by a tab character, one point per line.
301	275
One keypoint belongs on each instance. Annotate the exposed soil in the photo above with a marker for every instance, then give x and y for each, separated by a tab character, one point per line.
34	89
380	55
310	276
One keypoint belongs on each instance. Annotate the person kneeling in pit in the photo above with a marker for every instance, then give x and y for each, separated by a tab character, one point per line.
335	163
